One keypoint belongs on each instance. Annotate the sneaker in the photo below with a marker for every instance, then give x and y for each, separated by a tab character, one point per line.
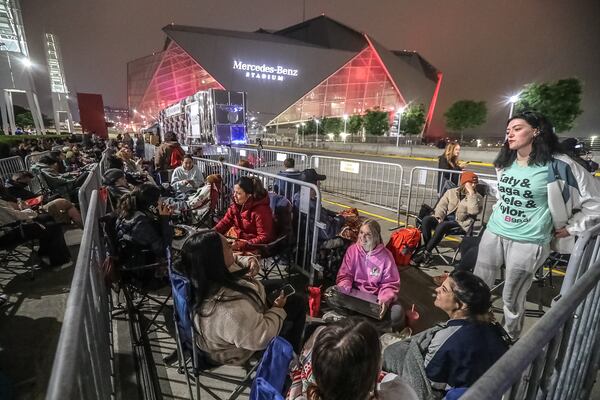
417	259
427	260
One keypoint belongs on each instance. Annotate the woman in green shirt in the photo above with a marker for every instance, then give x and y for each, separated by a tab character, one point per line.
538	189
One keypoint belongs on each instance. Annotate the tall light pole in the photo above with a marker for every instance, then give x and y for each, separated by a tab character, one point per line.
302	125
317	135
512	100
399	114
297	135
345	118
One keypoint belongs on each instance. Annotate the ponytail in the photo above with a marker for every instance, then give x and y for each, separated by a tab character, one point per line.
127	205
313	392
252	185
259	189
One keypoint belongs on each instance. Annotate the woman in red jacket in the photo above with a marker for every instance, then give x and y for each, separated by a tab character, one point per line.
249	218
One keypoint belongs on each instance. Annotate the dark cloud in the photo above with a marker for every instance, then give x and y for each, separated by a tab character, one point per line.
486	49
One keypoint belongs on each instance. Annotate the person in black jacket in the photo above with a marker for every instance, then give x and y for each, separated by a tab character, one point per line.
143	230
449	161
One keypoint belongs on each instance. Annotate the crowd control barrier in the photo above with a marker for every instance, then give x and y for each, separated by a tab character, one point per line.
559	357
375	183
305	197
10	165
426	186
237	154
33	158
92	183
83	367
272	160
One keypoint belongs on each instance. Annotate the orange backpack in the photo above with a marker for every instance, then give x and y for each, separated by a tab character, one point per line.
403	244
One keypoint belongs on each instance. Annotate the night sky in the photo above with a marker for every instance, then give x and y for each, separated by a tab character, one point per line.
487	49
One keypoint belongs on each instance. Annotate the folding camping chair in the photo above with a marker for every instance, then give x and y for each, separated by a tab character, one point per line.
193	362
129	275
21	252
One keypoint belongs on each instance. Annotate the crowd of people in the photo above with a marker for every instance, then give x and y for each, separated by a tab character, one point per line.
545	199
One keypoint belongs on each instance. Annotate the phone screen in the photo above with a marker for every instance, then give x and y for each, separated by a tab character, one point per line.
288	290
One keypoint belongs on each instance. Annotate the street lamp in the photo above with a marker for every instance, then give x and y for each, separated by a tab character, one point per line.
302	125
26	62
512	100
345	118
593	139
297	135
399	114
317	135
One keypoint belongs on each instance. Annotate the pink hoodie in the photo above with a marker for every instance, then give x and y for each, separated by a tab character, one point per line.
374	273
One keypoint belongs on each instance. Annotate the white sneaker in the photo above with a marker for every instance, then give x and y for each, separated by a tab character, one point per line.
332	316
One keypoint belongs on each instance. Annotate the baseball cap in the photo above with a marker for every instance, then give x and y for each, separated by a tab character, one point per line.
468	176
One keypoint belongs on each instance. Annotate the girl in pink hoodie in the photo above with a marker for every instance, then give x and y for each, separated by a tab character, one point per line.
369	267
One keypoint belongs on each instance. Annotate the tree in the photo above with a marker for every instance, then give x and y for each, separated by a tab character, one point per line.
413	119
24	120
333	125
376	122
355	124
560	102
465	114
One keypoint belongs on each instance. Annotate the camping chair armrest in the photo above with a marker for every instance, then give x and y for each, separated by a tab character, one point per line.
268	245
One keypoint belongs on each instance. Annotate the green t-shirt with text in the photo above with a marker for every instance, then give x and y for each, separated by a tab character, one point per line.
522	213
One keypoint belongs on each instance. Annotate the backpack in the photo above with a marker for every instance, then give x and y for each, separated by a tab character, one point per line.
176	157
403	243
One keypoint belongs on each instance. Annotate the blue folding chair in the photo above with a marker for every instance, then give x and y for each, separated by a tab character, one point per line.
198	364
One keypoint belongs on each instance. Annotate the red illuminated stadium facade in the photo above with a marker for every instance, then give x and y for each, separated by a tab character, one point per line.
317	68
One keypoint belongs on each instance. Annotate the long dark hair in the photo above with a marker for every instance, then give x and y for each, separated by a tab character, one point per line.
543	147
141	199
252	185
346	359
202	262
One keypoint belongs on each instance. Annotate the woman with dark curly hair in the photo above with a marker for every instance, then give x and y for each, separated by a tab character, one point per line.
545	200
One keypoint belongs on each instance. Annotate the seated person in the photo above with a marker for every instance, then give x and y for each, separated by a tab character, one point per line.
20	226
60	156
129	164
369	267
285	188
18	185
457	353
73	161
248	219
60	209
187	176
457	208
144	223
116	183
342	361
65	184
232	312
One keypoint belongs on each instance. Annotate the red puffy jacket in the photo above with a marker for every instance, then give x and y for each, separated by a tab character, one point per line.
253	221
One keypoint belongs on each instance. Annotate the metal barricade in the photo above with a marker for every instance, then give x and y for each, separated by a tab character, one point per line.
272	160
33	158
237	154
560	356
426	185
84	365
91	184
375	183
149	150
10	165
305	197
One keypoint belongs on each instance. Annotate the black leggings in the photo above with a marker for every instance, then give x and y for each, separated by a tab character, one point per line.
441	229
295	308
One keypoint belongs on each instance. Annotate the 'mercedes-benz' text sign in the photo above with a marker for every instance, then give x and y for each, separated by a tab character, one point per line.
265	71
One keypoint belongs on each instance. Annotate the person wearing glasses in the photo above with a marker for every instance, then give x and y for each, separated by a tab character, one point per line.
545	199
